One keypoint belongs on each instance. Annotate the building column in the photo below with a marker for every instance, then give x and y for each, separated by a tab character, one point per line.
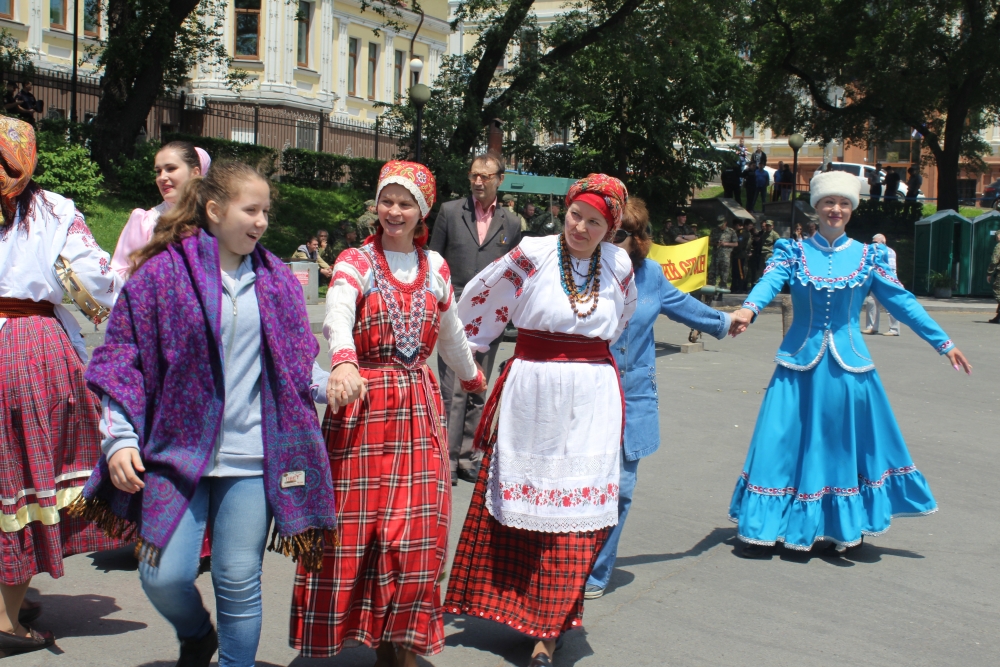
326	49
433	67
389	67
35	26
341	104
272	58
289	10
456	38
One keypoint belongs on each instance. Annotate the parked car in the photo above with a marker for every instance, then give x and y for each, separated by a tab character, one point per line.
991	195
863	171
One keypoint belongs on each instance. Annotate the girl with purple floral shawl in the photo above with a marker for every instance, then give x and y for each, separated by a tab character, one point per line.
205	377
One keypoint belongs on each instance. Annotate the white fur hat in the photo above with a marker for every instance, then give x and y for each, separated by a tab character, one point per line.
838	183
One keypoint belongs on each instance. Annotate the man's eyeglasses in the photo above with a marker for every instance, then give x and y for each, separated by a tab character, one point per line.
475	176
621	235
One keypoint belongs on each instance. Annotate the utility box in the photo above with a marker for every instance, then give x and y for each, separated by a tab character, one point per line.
981	252
933	247
307	273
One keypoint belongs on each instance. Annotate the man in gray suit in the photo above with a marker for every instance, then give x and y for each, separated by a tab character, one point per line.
471	233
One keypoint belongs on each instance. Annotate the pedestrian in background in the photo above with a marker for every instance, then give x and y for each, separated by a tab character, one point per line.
548	223
787	183
779	181
635	357
891	192
529	214
768	238
367	222
740	270
27	105
993	275
872	305
722	241
731	183
797	231
10	99
508	203
309	252
750	185
763	181
913	183
685	232
754	253
48	417
760	157
741	154
875	183
207	386
470	234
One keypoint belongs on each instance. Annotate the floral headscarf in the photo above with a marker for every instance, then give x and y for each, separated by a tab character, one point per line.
605	193
18	158
413	176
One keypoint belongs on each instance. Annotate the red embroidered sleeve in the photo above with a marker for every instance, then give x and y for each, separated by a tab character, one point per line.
355	258
476	383
344	355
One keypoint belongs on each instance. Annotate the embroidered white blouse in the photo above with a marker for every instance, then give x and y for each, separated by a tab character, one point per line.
27	259
555	467
353	279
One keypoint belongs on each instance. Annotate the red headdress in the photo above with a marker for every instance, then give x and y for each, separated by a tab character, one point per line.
417	179
605	193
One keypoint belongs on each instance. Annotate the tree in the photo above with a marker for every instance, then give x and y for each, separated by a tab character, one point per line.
872	71
151	48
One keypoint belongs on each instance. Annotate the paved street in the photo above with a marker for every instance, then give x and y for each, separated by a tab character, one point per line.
926	593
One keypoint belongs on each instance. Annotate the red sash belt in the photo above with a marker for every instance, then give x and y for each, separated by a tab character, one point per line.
25	308
542	346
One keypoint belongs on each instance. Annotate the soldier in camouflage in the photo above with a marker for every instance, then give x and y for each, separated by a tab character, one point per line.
722	240
993	275
368	221
548	223
767	247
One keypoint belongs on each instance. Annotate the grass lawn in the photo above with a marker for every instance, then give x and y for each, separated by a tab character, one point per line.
710	192
296	213
968	211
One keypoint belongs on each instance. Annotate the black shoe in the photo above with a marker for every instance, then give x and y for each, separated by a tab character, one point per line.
995	320
205	565
468	475
540	660
454	478
11	644
756	551
27	615
199	652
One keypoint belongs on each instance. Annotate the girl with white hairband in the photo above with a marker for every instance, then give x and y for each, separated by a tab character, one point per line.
827	461
175	164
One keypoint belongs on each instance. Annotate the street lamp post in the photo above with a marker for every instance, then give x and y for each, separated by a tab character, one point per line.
419	96
795	142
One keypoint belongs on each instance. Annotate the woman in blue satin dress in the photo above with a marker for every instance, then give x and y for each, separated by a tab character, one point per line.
827	461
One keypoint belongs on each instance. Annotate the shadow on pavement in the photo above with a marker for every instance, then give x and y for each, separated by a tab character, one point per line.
173	663
663	349
117	560
81	616
865	554
716	537
511	645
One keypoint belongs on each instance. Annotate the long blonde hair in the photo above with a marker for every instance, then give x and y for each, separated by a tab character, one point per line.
221	184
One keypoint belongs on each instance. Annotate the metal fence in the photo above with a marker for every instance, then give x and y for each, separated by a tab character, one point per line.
275	127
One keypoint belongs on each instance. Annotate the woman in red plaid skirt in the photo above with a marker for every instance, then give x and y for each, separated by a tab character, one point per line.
389	303
547	492
48	418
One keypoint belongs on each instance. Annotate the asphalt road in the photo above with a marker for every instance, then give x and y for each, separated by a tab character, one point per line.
925	593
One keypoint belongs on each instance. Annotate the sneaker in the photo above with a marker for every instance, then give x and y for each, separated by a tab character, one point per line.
199	652
869	332
890	333
592	592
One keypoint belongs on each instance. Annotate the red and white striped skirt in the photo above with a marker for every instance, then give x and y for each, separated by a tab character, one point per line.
50	444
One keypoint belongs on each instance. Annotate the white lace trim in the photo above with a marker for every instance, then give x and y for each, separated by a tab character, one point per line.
825	538
812	240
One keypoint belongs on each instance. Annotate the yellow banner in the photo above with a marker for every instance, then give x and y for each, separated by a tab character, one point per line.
684	265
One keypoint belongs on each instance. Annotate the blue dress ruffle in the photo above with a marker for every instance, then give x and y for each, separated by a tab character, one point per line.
827	462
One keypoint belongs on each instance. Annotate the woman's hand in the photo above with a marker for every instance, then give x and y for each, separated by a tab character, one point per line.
739	321
344	386
123	465
958	361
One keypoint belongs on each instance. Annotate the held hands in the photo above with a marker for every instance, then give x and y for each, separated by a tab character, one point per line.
481	378
345	386
740	320
123	466
958	361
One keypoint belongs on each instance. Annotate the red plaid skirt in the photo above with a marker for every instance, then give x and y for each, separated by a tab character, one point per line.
50	441
392	481
530	581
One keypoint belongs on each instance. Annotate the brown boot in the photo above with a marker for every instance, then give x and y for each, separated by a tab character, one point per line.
996	318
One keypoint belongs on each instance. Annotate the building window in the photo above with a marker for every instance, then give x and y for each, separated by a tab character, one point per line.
91	18
743	132
247	29
57	14
372	68
352	65
303	19
397	79
7	9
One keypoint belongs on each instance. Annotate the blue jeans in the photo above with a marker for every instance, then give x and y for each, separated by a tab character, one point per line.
605	564
237	510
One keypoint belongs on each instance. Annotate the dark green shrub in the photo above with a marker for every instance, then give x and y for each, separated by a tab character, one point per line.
135	177
312	169
66	169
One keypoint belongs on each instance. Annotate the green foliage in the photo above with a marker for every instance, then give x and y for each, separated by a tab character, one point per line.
299	212
135	176
106	217
74	133
312	169
940	280
264	159
66	169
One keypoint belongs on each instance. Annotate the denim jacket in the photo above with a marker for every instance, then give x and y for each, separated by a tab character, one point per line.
635	352
828	285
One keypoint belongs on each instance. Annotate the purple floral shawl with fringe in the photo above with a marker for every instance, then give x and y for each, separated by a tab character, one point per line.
162	361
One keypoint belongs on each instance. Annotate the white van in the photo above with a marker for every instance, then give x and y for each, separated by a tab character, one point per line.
863	171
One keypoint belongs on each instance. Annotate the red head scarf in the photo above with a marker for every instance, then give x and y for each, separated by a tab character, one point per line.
605	193
17	159
419	182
